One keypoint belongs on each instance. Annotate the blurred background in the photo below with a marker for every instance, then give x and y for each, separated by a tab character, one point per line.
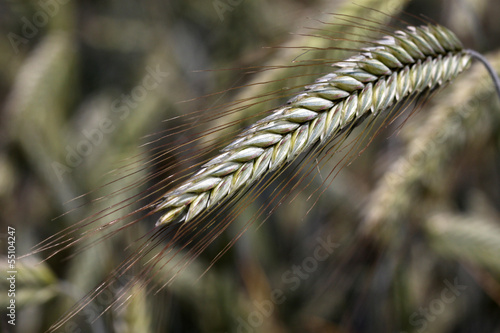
405	239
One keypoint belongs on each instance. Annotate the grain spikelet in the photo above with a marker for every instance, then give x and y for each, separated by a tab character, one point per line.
396	67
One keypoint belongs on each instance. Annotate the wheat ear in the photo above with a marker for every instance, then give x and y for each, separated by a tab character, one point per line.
400	65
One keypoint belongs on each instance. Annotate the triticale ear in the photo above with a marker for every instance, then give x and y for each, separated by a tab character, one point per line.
350	79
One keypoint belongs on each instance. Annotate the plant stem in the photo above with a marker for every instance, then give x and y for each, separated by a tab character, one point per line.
491	71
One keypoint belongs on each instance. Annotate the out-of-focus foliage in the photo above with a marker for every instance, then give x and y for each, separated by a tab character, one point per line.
82	83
